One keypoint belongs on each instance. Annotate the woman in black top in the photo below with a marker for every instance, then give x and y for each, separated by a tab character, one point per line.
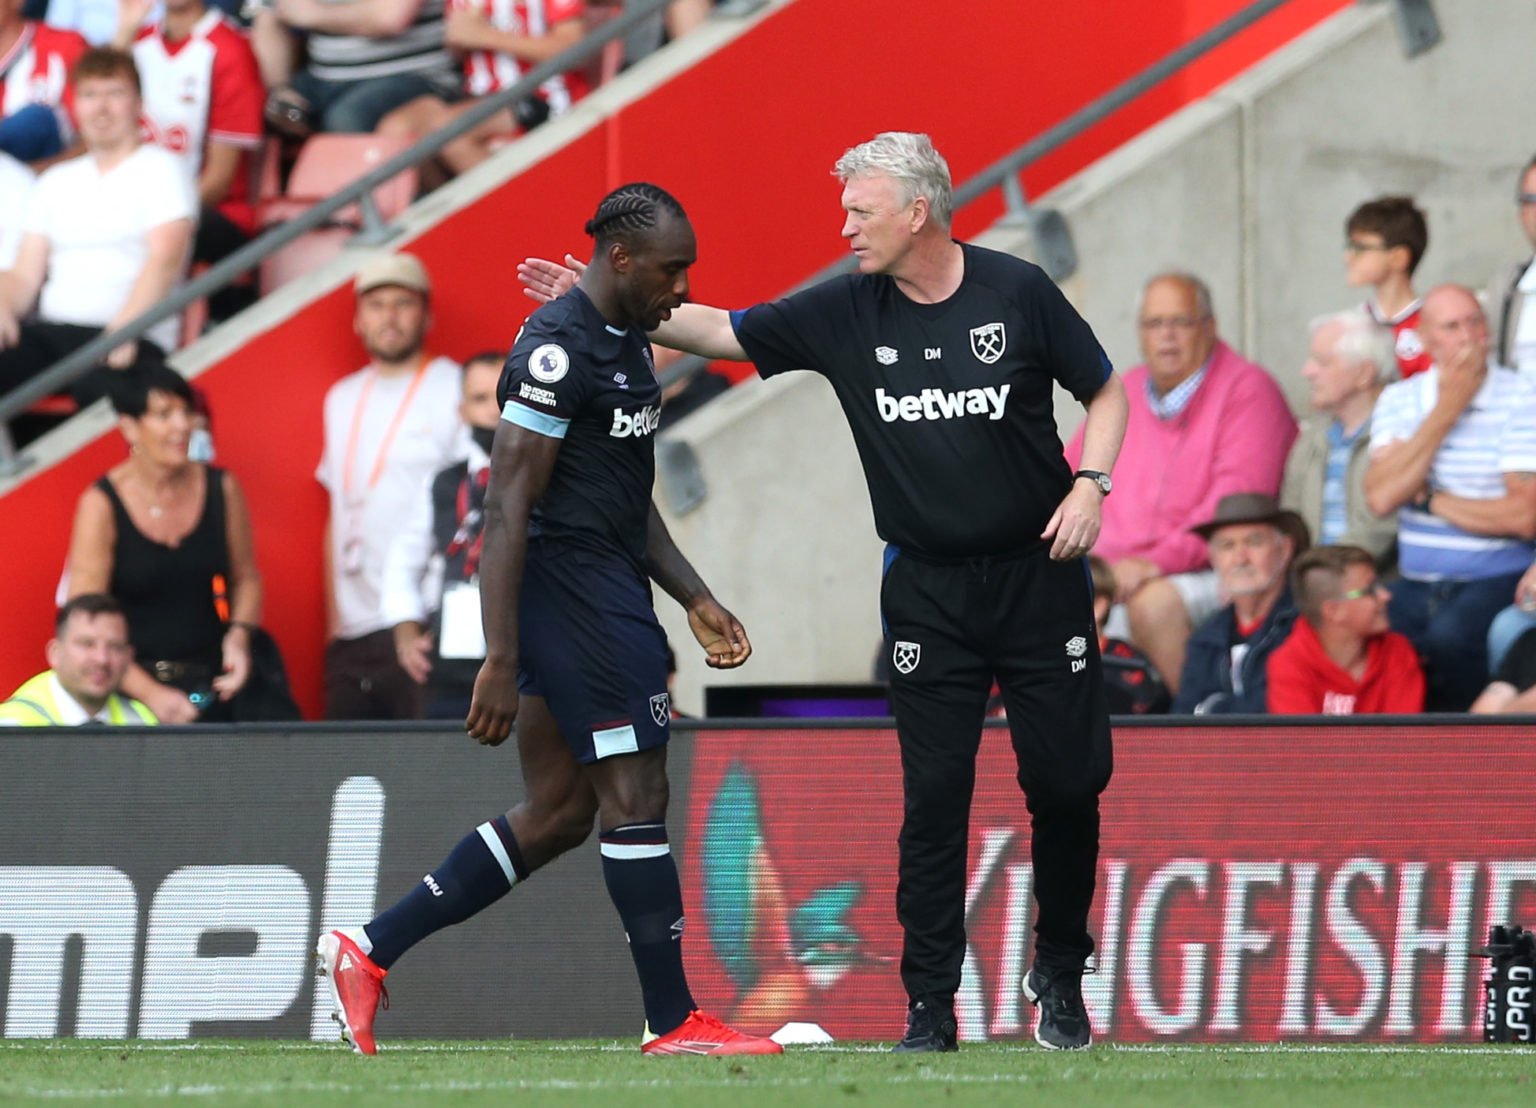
170	539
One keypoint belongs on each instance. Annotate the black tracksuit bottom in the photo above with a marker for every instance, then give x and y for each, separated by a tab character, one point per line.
951	629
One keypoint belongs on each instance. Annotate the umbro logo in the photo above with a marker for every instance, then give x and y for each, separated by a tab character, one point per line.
1077	646
677	928
346	962
886	355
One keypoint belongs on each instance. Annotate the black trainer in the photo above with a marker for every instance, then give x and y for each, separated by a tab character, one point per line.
1058	995
930	1029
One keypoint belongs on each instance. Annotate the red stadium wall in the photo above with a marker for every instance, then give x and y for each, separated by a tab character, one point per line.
1255	884
745	139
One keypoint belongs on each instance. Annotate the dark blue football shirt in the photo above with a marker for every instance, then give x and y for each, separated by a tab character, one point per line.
573	376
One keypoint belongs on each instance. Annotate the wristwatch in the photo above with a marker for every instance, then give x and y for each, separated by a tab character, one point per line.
1100	479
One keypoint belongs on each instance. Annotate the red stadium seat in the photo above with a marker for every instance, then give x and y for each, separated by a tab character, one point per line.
303	254
329	163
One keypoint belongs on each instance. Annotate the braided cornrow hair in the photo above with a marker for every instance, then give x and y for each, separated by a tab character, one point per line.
630	210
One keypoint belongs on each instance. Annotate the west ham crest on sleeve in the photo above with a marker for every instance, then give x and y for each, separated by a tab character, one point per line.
988	342
905	656
661	708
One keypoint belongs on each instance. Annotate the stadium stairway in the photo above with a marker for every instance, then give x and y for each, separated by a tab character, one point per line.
742	121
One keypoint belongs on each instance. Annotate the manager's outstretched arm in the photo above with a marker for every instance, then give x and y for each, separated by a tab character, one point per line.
693	328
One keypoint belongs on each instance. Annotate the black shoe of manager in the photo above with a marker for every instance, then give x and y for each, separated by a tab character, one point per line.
1062	1020
930	1029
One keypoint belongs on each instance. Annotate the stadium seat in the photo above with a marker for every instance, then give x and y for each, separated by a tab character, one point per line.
303	254
329	163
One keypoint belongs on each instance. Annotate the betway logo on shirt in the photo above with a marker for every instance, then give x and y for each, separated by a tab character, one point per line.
643	422
938	404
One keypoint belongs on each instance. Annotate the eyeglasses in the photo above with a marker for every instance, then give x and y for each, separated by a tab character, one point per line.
1176	322
1375	588
1355	246
1526	198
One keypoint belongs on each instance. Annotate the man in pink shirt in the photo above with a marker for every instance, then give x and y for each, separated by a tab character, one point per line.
1204	423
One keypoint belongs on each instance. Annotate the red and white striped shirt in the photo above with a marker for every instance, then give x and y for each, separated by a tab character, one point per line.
35	70
200	89
486	71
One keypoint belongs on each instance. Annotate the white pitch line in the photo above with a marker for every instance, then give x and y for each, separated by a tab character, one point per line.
615	1047
758	1080
1308	1048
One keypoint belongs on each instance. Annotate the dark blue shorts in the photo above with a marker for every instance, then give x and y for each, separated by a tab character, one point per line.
590	645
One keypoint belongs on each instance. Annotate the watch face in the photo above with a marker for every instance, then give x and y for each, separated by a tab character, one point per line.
1100	479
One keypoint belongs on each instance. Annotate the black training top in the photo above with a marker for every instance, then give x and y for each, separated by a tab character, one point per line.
949	403
574	377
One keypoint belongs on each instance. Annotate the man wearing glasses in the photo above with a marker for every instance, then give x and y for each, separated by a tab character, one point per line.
1510	299
1204	423
1340	658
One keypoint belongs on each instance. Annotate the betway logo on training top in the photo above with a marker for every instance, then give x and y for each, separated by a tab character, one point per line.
938	404
643	422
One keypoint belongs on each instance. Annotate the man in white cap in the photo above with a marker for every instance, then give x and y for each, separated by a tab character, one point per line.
388	428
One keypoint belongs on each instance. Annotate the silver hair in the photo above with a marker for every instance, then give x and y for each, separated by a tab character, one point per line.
909	159
1201	289
1361	341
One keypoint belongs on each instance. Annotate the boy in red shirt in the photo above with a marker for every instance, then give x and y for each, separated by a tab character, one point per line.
1340	658
1384	241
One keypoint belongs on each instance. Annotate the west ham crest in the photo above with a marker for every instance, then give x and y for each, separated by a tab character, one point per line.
988	342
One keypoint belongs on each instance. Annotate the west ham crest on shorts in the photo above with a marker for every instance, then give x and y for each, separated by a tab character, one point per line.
988	342
905	656
661	709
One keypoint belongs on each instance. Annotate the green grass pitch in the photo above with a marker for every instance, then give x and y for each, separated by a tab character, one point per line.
613	1075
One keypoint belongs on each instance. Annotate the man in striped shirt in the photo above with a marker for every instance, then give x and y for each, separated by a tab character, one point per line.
365	58
1453	451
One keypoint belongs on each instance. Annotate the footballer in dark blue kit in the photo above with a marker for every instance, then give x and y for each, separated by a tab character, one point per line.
574	653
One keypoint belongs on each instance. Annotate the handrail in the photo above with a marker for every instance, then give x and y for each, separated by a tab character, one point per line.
1001	171
63	373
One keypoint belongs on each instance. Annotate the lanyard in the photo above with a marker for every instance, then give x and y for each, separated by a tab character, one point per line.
471	533
389	433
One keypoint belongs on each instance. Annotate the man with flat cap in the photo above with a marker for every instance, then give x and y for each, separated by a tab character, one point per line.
1251	542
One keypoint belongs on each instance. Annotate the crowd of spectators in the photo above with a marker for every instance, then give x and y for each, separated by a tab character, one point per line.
1380	557
102	102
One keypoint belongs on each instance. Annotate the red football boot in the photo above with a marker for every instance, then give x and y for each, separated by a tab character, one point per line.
704	1034
356	986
